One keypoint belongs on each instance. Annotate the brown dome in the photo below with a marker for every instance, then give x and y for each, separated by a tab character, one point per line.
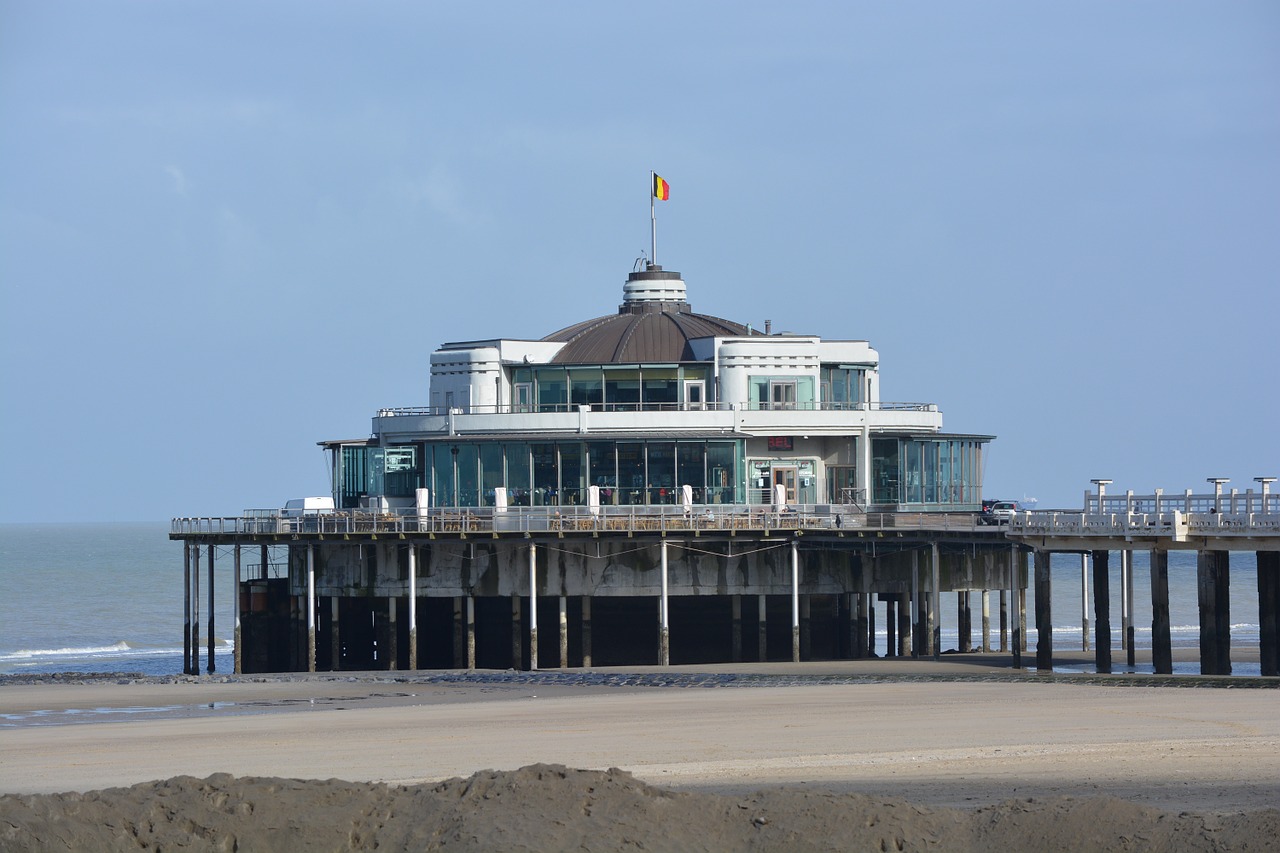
646	329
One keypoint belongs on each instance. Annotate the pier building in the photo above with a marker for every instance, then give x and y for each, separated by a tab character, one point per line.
657	484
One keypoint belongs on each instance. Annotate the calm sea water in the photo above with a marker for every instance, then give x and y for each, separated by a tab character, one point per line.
109	598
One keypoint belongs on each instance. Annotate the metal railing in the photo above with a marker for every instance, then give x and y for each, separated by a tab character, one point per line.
558	520
552	408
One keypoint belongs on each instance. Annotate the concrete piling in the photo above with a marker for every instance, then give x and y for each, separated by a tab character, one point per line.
1212	582
1269	611
1161	642
1102	611
1044	618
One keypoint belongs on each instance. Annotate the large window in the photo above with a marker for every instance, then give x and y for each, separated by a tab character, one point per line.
842	386
557	473
661	387
937	473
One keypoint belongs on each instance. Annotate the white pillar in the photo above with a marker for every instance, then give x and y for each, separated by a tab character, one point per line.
235	609
1125	604
986	620
533	607
795	602
311	608
413	606
1084	600
664	624
1015	611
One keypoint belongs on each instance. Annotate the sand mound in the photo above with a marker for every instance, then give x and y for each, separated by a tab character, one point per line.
550	807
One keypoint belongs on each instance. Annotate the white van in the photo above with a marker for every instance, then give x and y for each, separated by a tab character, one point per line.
299	507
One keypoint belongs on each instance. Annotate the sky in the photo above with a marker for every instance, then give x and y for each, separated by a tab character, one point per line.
231	230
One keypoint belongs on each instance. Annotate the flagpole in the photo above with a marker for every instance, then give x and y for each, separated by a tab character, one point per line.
653	220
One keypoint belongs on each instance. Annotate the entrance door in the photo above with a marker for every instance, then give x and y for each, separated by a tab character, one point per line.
787	476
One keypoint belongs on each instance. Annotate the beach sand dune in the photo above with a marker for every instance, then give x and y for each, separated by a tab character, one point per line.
790	763
551	807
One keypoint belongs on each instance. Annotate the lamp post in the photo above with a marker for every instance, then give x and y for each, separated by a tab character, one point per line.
1102	491
1217	491
1266	489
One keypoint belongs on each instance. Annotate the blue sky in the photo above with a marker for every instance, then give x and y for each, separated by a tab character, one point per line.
231	230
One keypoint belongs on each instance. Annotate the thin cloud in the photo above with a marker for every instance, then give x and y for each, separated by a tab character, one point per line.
178	179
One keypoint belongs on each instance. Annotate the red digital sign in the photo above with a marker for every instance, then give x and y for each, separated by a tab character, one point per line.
781	442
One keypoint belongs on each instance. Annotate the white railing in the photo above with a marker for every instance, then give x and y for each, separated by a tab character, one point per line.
1175	525
558	520
534	408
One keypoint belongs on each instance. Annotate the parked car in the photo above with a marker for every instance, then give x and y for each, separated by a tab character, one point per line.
1002	511
985	517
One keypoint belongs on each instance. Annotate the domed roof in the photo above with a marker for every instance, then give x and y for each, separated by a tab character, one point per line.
654	324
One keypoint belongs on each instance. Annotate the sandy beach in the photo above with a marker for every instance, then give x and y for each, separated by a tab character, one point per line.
964	734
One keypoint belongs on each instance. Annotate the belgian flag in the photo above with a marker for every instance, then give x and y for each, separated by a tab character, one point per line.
661	189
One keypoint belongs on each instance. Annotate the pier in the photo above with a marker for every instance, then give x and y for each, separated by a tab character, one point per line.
469	588
1211	524
616	585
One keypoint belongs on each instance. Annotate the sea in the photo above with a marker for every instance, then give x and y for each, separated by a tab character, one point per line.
106	598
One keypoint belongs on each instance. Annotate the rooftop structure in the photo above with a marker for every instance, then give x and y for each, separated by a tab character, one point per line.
653	405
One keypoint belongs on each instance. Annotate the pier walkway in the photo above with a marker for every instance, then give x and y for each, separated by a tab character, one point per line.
1212	524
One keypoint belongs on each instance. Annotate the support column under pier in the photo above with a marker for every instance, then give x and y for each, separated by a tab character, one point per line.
1044	618
413	606
460	641
393	634
762	629
1269	611
1213	585
235	602
335	640
860	648
1004	620
195	610
311	608
964	620
735	630
871	632
517	647
586	631
986	621
533	609
904	627
1016	635
564	632
1131	657
664	623
935	603
795	602
471	632
211	664
186	608
890	626
1084	601
1161	641
1102	611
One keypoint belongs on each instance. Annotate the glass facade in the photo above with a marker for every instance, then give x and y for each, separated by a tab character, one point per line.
623	387
842	386
926	473
544	473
